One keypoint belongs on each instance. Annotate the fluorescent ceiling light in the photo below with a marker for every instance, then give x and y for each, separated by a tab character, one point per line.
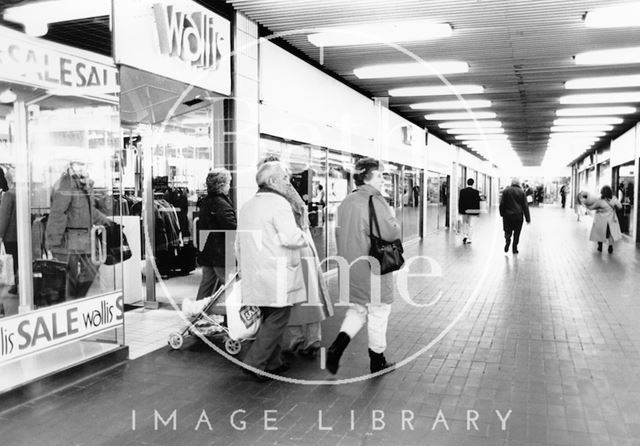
487	137
474	130
576	135
460	115
408	31
481	124
411	69
609	57
601	98
595	111
632	80
588	121
37	15
451	105
439	90
614	16
581	128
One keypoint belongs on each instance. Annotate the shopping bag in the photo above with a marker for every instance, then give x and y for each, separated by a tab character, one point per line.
6	267
49	281
243	321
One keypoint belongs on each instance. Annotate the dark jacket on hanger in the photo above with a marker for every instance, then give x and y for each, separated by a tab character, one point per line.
216	213
73	214
8	222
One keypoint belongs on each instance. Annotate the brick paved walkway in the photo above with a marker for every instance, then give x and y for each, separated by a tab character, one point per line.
551	335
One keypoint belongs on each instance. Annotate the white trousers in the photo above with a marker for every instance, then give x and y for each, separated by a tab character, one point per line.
466	226
376	316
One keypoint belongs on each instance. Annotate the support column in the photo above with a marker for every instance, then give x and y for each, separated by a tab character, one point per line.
244	133
23	207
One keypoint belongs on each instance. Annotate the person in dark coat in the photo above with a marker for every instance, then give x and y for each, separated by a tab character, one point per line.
513	207
354	243
8	224
563	195
468	205
217	215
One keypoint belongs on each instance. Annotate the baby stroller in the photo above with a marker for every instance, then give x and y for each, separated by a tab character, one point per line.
207	318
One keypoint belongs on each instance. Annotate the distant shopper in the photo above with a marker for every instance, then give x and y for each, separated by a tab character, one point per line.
563	195
513	210
268	245
8	224
468	206
605	222
218	215
416	195
352	237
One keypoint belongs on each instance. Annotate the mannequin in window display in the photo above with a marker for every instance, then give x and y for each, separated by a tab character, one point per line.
8	223
68	234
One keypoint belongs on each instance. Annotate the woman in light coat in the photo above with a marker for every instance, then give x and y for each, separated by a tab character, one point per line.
605	221
370	294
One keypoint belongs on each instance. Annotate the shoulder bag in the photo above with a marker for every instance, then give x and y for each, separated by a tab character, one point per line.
389	254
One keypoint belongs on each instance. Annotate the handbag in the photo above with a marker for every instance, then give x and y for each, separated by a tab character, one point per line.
7	276
49	280
388	254
118	249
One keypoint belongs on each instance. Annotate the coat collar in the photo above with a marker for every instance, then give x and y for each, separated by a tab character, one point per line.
370	190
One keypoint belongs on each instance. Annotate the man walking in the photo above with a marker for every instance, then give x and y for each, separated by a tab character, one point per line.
563	195
268	245
513	206
468	205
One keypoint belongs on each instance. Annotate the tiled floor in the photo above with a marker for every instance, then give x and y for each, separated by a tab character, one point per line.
551	335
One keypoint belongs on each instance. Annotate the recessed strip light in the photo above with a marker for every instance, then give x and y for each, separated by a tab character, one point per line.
487	137
439	90
632	80
460	115
465	124
411	69
609	57
451	105
576	136
588	121
581	128
601	98
471	131
408	31
617	16
595	111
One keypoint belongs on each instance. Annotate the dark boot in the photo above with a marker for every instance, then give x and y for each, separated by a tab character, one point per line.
600	246
507	243
378	362
335	352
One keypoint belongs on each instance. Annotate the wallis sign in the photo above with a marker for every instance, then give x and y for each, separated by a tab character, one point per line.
191	37
177	39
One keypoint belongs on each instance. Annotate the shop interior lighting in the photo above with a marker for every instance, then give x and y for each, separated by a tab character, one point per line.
588	121
460	115
439	90
631	80
366	34
451	105
596	111
479	137
581	128
37	16
474	130
8	96
609	57
576	135
617	16
411	69
601	98
466	124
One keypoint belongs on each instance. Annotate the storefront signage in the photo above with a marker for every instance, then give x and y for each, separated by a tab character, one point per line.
177	39
38	63
28	333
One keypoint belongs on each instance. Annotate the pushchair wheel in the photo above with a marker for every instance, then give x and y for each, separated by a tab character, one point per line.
232	346
175	341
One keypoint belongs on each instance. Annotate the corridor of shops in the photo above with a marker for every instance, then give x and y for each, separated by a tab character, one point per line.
549	335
